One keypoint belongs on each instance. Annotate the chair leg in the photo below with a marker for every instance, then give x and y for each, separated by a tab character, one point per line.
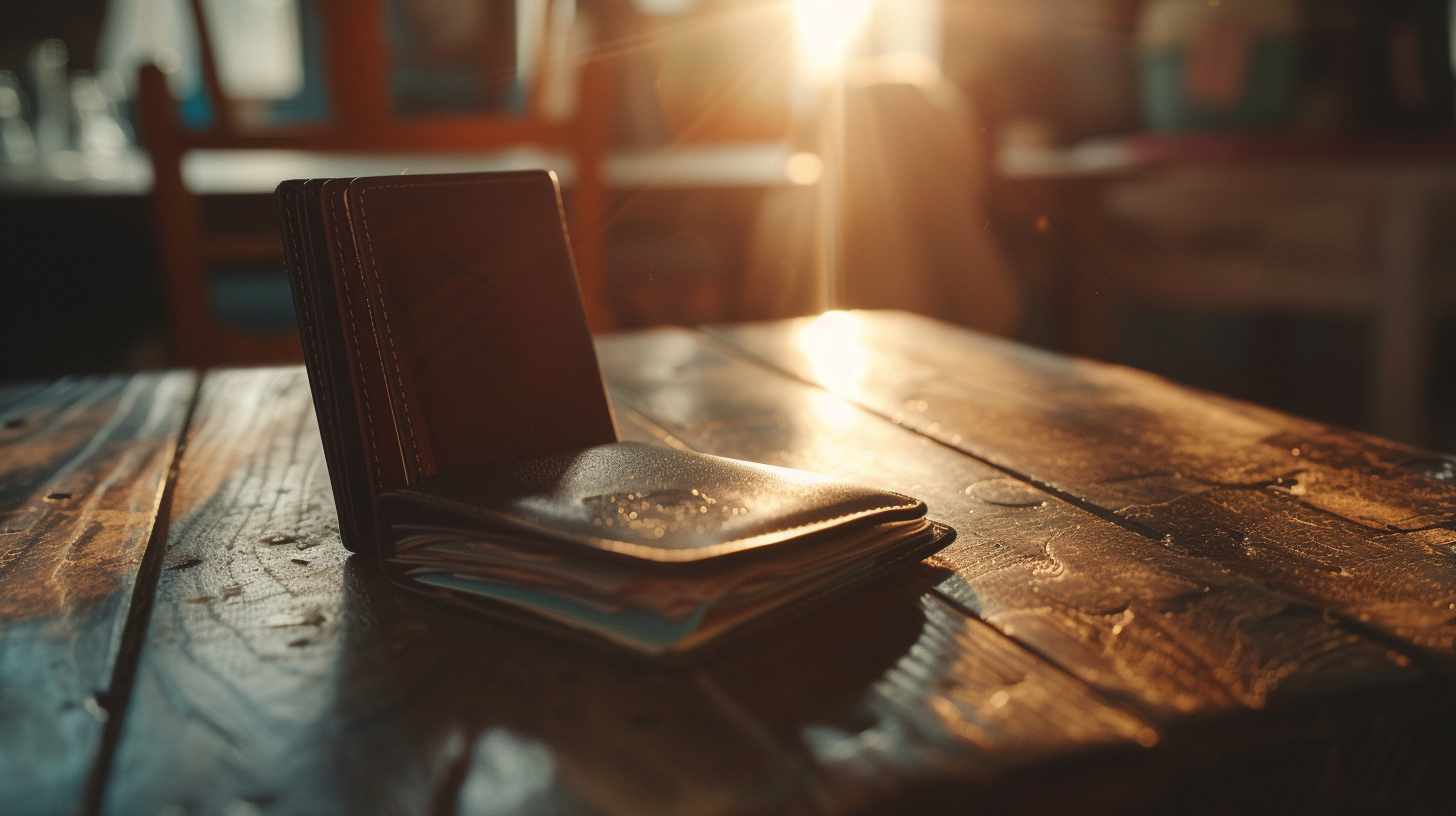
177	223
589	204
1402	326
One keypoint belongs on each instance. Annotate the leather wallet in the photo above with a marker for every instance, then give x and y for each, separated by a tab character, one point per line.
472	447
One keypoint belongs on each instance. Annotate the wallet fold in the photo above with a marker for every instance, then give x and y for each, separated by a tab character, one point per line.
473	450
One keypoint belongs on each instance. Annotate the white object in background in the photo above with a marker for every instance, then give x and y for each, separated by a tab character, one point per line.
16	139
555	26
530	26
259	50
569	44
52	102
825	29
258	44
157	32
751	164
907	27
100	138
664	7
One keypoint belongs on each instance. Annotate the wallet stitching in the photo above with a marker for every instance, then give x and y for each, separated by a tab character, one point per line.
297	253
308	326
354	327
388	333
312	330
324	396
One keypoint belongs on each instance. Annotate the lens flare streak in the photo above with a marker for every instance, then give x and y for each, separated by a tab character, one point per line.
825	29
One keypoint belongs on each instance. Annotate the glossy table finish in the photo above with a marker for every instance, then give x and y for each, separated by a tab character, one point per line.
1159	600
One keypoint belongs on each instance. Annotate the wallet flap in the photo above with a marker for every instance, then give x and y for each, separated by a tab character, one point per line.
378	440
477	319
647	502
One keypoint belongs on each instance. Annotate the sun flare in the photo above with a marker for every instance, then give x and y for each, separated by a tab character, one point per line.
833	349
825	28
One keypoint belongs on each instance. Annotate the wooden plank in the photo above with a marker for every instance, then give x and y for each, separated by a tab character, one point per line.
1353	525
1171	635
83	464
280	674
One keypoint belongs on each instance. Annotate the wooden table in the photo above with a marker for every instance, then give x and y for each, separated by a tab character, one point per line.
1159	600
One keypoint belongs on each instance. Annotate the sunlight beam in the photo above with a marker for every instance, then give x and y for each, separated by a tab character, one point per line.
825	28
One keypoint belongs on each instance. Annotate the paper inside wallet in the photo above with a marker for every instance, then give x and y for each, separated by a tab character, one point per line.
655	548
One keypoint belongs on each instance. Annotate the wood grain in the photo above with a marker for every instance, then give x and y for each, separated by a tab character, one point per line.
1061	655
281	675
83	464
1351	525
1170	635
315	688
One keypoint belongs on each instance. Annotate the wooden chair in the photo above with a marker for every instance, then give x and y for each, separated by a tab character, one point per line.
361	120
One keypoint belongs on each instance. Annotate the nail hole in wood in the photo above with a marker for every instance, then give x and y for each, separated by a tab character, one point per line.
58	496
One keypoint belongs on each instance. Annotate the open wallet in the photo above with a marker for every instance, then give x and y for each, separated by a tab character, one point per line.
473	451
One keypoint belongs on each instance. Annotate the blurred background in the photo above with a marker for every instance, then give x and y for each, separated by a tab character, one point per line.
1255	197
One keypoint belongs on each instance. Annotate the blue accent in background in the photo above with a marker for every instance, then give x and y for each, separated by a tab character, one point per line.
312	102
1271	90
257	298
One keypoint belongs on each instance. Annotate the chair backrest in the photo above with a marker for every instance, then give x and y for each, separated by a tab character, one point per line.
361	120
